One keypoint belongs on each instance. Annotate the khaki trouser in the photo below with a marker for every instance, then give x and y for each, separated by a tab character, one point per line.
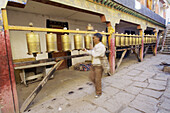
95	77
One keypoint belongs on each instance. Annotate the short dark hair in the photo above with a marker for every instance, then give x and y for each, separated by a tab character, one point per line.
98	35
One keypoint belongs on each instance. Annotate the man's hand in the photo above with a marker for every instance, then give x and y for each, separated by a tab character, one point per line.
91	47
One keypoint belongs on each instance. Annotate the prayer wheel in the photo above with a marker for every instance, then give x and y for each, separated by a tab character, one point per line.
130	40
66	43
117	39
104	40
140	40
122	40
137	40
154	39
145	39
78	42
88	41
51	41
126	40
33	43
134	40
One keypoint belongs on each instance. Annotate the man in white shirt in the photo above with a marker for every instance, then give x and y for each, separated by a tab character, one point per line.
96	70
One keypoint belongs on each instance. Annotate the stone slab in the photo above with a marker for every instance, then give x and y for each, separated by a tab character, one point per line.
152	93
100	110
156	87
159	82
140	84
110	90
134	73
133	90
130	110
166	104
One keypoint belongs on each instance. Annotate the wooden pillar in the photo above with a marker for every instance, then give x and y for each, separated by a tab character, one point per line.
111	41
155	47
11	102
141	33
142	2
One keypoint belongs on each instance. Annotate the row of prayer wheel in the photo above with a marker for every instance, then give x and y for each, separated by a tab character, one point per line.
33	42
149	39
127	40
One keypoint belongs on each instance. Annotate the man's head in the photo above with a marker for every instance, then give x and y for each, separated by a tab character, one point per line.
97	38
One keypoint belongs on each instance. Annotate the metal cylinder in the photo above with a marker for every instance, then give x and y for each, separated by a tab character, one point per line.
104	40
66	43
126	40
140	40
33	43
51	42
137	40
88	41
134	40
130	40
117	39
78	42
122	40
145	39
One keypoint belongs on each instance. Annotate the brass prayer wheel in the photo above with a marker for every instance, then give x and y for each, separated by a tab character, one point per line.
126	40
145	39
66	43
137	40
122	40
51	41
104	40
134	40
140	40
88	41
78	42
33	43
130	40
117	40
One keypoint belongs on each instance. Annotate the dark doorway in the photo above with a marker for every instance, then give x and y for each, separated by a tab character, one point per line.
59	25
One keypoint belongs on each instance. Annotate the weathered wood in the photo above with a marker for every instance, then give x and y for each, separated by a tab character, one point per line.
120	61
145	51
137	55
30	98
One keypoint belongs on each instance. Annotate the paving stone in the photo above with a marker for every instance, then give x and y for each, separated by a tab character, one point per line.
156	87
134	73
140	78
167	93
130	110
76	95
140	84
121	83
127	77
152	93
163	111
100	110
166	104
133	90
159	82
124	98
110	90
143	106
163	78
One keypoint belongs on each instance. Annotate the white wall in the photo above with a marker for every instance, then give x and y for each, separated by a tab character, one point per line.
167	15
18	38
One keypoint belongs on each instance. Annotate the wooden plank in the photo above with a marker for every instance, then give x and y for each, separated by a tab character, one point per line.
137	56
30	98
120	61
145	51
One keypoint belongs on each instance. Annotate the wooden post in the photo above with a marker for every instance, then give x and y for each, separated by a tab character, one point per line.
111	41
10	72
155	47
141	33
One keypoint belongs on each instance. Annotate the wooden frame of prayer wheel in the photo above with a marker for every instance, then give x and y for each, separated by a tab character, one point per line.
66	43
122	40
51	42
104	40
87	41
117	39
130	40
33	43
78	41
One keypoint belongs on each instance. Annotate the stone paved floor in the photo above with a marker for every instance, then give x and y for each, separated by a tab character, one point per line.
139	88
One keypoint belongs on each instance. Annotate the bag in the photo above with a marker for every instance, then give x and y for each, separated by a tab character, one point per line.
105	64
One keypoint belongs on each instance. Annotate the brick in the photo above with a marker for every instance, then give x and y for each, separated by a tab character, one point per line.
152	93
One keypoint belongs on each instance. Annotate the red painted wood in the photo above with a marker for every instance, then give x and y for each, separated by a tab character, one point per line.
141	51
13	83
112	55
6	95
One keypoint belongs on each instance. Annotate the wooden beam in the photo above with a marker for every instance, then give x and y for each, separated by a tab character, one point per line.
31	97
120	61
146	49
23	28
137	56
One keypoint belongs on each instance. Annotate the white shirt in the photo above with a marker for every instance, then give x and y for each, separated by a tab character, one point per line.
98	51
